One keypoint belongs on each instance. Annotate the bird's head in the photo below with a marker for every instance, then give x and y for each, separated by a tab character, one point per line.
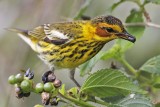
109	28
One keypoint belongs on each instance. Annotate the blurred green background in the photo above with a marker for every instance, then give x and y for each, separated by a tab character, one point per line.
15	54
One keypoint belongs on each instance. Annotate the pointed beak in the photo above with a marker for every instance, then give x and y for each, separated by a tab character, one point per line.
125	35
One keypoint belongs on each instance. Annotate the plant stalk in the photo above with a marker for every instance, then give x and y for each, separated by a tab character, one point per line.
77	102
130	68
102	102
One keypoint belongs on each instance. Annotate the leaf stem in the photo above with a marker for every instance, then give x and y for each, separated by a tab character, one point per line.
131	69
77	102
146	15
68	103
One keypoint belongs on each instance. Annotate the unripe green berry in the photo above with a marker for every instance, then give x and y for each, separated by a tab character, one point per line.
19	78
48	87
12	79
26	86
39	87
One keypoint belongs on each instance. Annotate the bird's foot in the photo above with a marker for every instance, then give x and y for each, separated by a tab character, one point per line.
72	72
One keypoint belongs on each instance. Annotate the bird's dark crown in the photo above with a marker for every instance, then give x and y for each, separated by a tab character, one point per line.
108	19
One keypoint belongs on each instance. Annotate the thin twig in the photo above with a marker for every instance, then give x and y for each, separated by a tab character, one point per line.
68	103
78	102
146	15
102	102
148	24
83	9
130	68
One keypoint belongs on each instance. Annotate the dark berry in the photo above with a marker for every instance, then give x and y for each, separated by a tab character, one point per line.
57	83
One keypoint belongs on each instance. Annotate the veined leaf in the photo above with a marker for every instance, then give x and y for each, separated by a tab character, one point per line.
137	31
152	65
133	101
113	99
108	82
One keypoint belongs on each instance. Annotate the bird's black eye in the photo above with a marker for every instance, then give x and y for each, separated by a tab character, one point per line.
108	29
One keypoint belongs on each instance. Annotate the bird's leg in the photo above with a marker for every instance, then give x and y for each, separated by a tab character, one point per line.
45	76
72	72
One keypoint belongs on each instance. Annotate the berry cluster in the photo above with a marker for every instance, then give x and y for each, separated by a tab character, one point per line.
48	89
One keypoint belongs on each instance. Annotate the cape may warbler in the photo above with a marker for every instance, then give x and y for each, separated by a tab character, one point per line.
69	44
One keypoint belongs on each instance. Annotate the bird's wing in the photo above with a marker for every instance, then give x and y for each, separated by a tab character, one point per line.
37	32
50	34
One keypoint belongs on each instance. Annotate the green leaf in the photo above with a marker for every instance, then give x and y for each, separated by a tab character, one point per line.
134	17
152	65
155	80
87	66
63	90
114	52
74	92
133	101
137	31
153	1
108	82
112	99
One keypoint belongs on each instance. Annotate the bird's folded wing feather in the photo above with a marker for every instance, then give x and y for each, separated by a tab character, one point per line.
51	35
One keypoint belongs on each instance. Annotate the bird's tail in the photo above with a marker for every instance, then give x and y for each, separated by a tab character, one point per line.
24	35
19	31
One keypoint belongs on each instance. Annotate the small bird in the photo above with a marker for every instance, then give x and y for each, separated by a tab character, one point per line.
70	44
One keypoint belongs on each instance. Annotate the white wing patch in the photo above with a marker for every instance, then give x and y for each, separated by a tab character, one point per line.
53	33
58	34
27	40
